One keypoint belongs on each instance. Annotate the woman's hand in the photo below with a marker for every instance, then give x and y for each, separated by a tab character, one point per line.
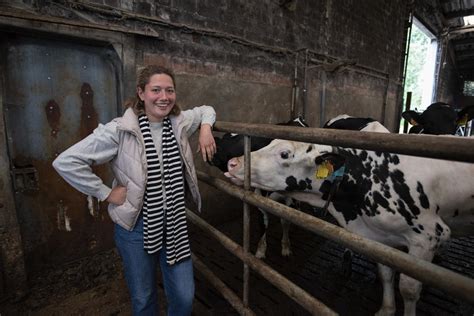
207	145
118	195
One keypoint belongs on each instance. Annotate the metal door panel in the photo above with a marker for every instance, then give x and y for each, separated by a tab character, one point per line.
56	92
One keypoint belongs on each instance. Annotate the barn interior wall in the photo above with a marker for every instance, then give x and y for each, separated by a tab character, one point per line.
239	56
263	37
242	54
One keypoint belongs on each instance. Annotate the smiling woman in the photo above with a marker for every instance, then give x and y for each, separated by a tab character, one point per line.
158	96
153	166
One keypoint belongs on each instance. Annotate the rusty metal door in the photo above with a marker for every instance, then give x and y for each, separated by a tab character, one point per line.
56	93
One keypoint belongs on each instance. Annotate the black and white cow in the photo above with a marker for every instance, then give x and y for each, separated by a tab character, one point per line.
398	200
232	145
438	119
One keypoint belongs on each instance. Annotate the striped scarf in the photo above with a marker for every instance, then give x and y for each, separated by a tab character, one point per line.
158	218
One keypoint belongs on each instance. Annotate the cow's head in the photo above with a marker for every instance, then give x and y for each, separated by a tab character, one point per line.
284	166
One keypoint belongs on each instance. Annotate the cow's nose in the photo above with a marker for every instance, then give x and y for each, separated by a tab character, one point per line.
232	164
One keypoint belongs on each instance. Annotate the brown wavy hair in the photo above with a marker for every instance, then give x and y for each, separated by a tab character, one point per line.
143	78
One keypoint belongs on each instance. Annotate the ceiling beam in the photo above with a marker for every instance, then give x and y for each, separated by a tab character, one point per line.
458	14
464	41
464	54
462	67
468	77
457	31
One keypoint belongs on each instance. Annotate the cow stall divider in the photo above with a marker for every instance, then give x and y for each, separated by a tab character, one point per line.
451	148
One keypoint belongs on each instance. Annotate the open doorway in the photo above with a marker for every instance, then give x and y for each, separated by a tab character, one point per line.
420	71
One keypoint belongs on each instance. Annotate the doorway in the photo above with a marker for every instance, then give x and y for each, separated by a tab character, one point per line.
421	69
56	92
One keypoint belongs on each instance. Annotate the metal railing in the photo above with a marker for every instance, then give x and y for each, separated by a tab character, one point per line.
453	148
442	147
295	292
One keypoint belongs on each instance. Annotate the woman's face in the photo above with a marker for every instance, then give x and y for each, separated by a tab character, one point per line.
159	97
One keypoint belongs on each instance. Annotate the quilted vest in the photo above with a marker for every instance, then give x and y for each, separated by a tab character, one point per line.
130	168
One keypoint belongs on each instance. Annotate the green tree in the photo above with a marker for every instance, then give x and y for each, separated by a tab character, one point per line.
417	56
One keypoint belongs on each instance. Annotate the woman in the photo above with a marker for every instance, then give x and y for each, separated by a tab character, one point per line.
152	162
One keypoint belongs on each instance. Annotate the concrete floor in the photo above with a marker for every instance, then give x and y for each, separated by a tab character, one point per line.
95	286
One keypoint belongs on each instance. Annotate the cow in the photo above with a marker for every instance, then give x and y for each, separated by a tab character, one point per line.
232	145
402	201
438	119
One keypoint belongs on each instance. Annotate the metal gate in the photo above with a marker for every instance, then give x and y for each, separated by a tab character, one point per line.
426	272
56	92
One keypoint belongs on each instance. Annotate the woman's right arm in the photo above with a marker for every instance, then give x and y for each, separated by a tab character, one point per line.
74	164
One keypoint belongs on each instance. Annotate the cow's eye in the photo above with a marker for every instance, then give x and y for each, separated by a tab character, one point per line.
284	154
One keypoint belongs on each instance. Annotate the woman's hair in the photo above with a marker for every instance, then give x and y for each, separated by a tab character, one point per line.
143	78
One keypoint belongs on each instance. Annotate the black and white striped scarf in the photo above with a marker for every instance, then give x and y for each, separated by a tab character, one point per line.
169	186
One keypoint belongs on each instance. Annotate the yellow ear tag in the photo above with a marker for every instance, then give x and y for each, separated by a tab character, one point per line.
324	170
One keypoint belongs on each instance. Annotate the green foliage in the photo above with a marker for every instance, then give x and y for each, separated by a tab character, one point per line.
419	44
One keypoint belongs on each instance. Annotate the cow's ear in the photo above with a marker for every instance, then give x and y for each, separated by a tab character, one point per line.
336	160
412	116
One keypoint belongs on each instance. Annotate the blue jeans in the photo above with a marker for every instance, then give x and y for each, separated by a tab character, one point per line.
140	270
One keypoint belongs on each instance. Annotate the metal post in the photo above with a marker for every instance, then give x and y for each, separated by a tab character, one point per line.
407	108
246	219
468	129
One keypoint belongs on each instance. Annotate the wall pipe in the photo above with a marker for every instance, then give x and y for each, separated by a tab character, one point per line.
422	270
385	97
322	99
305	85
441	147
246	219
294	90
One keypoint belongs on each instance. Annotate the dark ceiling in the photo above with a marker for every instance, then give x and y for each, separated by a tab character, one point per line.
461	36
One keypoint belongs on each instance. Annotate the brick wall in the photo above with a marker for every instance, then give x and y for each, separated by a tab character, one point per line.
240	55
258	39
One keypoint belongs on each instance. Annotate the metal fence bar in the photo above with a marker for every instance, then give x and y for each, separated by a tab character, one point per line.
442	147
299	295
223	289
246	219
425	271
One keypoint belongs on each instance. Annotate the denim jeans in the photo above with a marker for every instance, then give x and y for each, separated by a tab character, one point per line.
140	270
